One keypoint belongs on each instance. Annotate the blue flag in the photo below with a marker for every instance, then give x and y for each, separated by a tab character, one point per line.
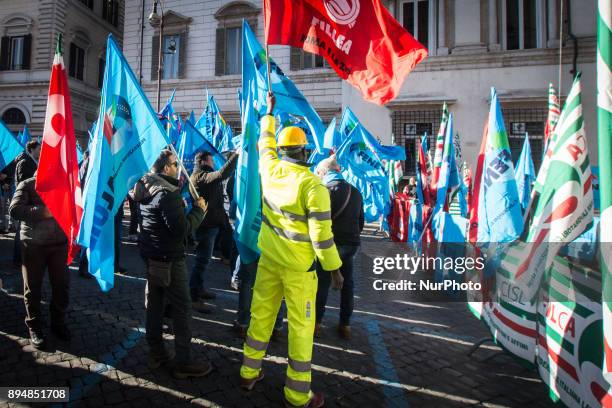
191	142
126	142
170	120
25	136
10	148
364	170
247	193
525	174
79	153
449	179
221	132
499	211
349	121
288	98
332	138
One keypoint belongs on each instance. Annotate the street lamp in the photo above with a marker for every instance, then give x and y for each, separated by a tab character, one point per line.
155	20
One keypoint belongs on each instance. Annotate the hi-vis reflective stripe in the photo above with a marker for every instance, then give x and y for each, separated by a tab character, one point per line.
328	243
256	344
320	215
251	363
298	386
299	366
266	150
286	214
294	236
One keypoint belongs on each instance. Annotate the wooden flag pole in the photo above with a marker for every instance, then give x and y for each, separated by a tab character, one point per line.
268	66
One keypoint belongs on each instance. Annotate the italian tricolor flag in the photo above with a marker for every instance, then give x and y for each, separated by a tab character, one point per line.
604	110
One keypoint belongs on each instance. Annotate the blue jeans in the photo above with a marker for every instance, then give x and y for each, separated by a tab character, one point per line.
206	242
347	255
246	274
177	295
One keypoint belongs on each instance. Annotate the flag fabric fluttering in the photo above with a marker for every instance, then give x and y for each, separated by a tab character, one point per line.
604	116
525	174
220	131
475	197
288	97
25	136
10	147
57	177
376	64
191	142
554	110
247	188
499	211
422	186
439	150
127	140
449	178
363	169
565	205
349	121
170	120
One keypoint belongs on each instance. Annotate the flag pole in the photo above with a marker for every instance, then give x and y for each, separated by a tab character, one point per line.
268	66
182	168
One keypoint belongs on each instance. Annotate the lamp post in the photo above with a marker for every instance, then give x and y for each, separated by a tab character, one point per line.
155	20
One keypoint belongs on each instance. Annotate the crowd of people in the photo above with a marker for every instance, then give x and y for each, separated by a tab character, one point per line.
310	234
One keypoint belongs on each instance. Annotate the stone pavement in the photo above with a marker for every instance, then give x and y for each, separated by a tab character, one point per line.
402	354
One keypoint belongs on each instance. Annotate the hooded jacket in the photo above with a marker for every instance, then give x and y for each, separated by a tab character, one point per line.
28	207
164	224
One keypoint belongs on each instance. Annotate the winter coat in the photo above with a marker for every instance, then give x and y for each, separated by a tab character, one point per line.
25	168
344	226
165	226
28	207
209	184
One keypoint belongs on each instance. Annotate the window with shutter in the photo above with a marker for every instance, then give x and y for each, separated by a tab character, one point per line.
228	41
4	53
220	52
76	67
154	57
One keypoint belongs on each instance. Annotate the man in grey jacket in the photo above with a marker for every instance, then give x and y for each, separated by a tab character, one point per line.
43	246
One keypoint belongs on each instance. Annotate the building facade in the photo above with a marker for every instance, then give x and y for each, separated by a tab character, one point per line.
473	45
28	31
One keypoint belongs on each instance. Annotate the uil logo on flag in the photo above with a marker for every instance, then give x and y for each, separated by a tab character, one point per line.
118	124
343	12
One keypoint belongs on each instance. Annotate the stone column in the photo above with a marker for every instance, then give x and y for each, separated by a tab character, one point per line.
552	23
442	30
493	26
468	28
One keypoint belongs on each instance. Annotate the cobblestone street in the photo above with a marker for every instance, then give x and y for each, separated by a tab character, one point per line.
402	354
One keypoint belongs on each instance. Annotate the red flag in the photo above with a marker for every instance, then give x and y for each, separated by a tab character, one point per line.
57	180
473	230
360	39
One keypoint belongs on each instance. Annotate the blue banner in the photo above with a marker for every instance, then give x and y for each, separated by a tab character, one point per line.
525	174
10	147
127	140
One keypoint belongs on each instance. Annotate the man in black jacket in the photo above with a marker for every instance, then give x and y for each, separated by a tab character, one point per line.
164	230
43	246
25	167
209	184
346	209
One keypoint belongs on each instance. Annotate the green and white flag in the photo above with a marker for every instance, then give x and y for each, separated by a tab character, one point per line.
569	354
565	206
604	114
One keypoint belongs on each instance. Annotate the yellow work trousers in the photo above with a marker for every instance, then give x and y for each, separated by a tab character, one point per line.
300	291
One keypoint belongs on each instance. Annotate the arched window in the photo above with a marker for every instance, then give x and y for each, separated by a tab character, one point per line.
228	47
16	42
14	116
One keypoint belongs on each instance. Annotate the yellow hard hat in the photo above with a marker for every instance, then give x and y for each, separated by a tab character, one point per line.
292	136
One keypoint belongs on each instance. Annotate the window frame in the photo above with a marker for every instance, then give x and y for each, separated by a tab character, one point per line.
432	22
11	123
226	69
12	66
540	25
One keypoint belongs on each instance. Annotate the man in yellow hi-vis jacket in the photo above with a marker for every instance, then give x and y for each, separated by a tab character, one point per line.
296	228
